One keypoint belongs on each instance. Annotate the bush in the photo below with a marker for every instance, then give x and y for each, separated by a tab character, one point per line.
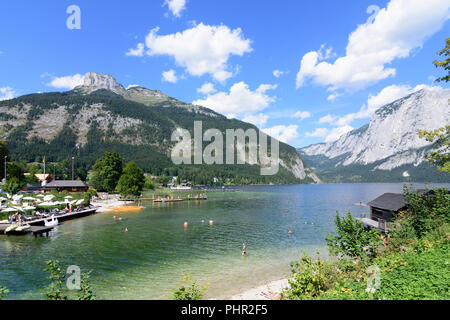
351	239
309	278
189	290
425	211
3	292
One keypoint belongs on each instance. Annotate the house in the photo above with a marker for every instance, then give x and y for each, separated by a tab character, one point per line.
69	185
385	206
383	209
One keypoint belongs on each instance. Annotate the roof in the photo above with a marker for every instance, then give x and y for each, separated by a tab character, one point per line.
389	201
43	177
66	184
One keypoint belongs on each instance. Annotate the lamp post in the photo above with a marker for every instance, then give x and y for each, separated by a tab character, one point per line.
73	158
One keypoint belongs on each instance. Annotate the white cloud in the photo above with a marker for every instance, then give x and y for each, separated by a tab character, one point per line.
176	6
302	115
203	49
169	76
278	73
336	133
207	88
258	120
239	101
67	82
132	86
7	93
319	132
138	52
393	33
327	119
283	133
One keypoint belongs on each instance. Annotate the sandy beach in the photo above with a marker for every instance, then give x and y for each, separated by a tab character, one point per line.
268	291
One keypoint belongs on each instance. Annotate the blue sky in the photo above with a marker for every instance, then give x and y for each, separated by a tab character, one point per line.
336	65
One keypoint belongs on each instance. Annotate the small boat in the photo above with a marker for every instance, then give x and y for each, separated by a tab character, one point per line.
52	223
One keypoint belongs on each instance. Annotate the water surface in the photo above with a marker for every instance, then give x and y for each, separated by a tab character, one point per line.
148	261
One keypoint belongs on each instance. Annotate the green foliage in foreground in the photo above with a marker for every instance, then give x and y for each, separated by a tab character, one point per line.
3	292
414	264
55	291
189	290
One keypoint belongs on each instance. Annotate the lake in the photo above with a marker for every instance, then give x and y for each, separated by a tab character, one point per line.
149	260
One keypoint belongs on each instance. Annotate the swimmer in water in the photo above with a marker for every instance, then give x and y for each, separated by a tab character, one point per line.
126	229
186	224
244	249
290	232
211	222
203	221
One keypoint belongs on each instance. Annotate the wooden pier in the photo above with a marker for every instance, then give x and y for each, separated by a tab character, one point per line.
35	230
64	217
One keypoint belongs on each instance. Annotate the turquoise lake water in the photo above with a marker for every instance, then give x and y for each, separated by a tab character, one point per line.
148	261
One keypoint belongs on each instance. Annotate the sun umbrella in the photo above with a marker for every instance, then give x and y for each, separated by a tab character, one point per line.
9	210
29	198
68	197
17	197
40	195
79	202
49	197
29	208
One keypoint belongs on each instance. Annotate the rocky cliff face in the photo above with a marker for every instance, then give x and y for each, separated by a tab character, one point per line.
390	140
95	81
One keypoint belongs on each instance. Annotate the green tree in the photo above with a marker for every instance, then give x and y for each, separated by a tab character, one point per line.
440	157
13	185
86	292
107	171
132	180
149	184
3	152
445	63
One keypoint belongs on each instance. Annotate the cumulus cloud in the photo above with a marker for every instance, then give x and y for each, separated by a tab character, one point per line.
278	73
67	82
302	115
393	33
283	133
327	119
176	6
319	132
239	101
169	76
207	88
336	133
202	49
258	120
7	93
138	52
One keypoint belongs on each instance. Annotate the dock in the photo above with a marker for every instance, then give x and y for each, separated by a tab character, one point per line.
35	230
369	223
64	217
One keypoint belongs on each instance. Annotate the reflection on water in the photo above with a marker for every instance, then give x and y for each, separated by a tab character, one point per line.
148	261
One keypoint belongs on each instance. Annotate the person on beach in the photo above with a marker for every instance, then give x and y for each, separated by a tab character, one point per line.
244	249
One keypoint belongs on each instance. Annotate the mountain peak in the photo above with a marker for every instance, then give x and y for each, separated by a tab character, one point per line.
94	81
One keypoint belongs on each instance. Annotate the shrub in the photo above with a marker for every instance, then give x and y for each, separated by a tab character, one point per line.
3	292
351	239
189	290
309	278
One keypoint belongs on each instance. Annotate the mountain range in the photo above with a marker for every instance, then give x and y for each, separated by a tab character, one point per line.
387	149
101	115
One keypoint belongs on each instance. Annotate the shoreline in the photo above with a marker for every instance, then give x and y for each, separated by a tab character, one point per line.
268	291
